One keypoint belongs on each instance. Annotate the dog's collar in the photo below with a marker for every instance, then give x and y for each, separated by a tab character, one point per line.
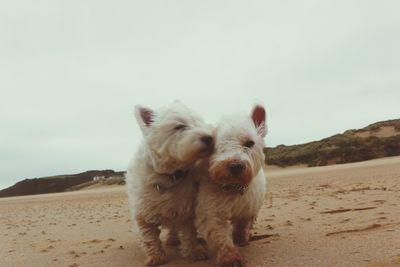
233	188
174	179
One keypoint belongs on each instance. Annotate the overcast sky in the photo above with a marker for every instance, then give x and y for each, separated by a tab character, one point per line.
72	71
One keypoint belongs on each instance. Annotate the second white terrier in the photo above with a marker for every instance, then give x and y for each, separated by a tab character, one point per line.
160	183
232	193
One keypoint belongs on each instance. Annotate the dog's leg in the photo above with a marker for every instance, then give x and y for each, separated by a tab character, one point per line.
241	231
150	237
190	246
217	231
173	237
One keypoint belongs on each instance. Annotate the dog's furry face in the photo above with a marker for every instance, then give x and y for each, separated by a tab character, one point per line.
175	136
239	143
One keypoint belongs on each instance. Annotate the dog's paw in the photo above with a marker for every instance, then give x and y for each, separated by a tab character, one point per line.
230	257
199	254
156	260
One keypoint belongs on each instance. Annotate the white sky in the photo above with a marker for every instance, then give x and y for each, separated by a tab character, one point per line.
71	72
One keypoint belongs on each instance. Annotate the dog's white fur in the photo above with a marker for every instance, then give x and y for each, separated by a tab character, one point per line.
224	218
172	141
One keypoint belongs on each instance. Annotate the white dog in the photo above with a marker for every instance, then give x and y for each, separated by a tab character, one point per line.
231	195
160	183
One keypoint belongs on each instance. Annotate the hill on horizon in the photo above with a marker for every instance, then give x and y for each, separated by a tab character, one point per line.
377	140
55	184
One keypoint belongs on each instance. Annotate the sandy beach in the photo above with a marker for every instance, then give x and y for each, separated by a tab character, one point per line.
341	215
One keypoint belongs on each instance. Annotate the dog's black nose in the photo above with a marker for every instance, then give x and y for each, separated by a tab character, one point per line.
236	168
207	140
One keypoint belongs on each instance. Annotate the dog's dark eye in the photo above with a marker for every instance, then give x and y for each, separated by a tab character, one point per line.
249	144
180	127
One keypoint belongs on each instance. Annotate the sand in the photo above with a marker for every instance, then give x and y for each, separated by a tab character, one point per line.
342	215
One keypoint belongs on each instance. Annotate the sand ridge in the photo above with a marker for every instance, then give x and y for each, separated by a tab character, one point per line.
342	215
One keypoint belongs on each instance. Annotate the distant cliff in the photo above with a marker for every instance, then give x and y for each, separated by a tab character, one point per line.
378	140
54	184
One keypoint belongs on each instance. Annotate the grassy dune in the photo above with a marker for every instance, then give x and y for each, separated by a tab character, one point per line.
377	140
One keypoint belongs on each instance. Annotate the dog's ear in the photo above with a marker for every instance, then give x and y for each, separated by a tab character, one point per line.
144	117
258	116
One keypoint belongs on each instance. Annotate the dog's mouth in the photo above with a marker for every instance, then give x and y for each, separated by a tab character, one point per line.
228	183
222	180
241	188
